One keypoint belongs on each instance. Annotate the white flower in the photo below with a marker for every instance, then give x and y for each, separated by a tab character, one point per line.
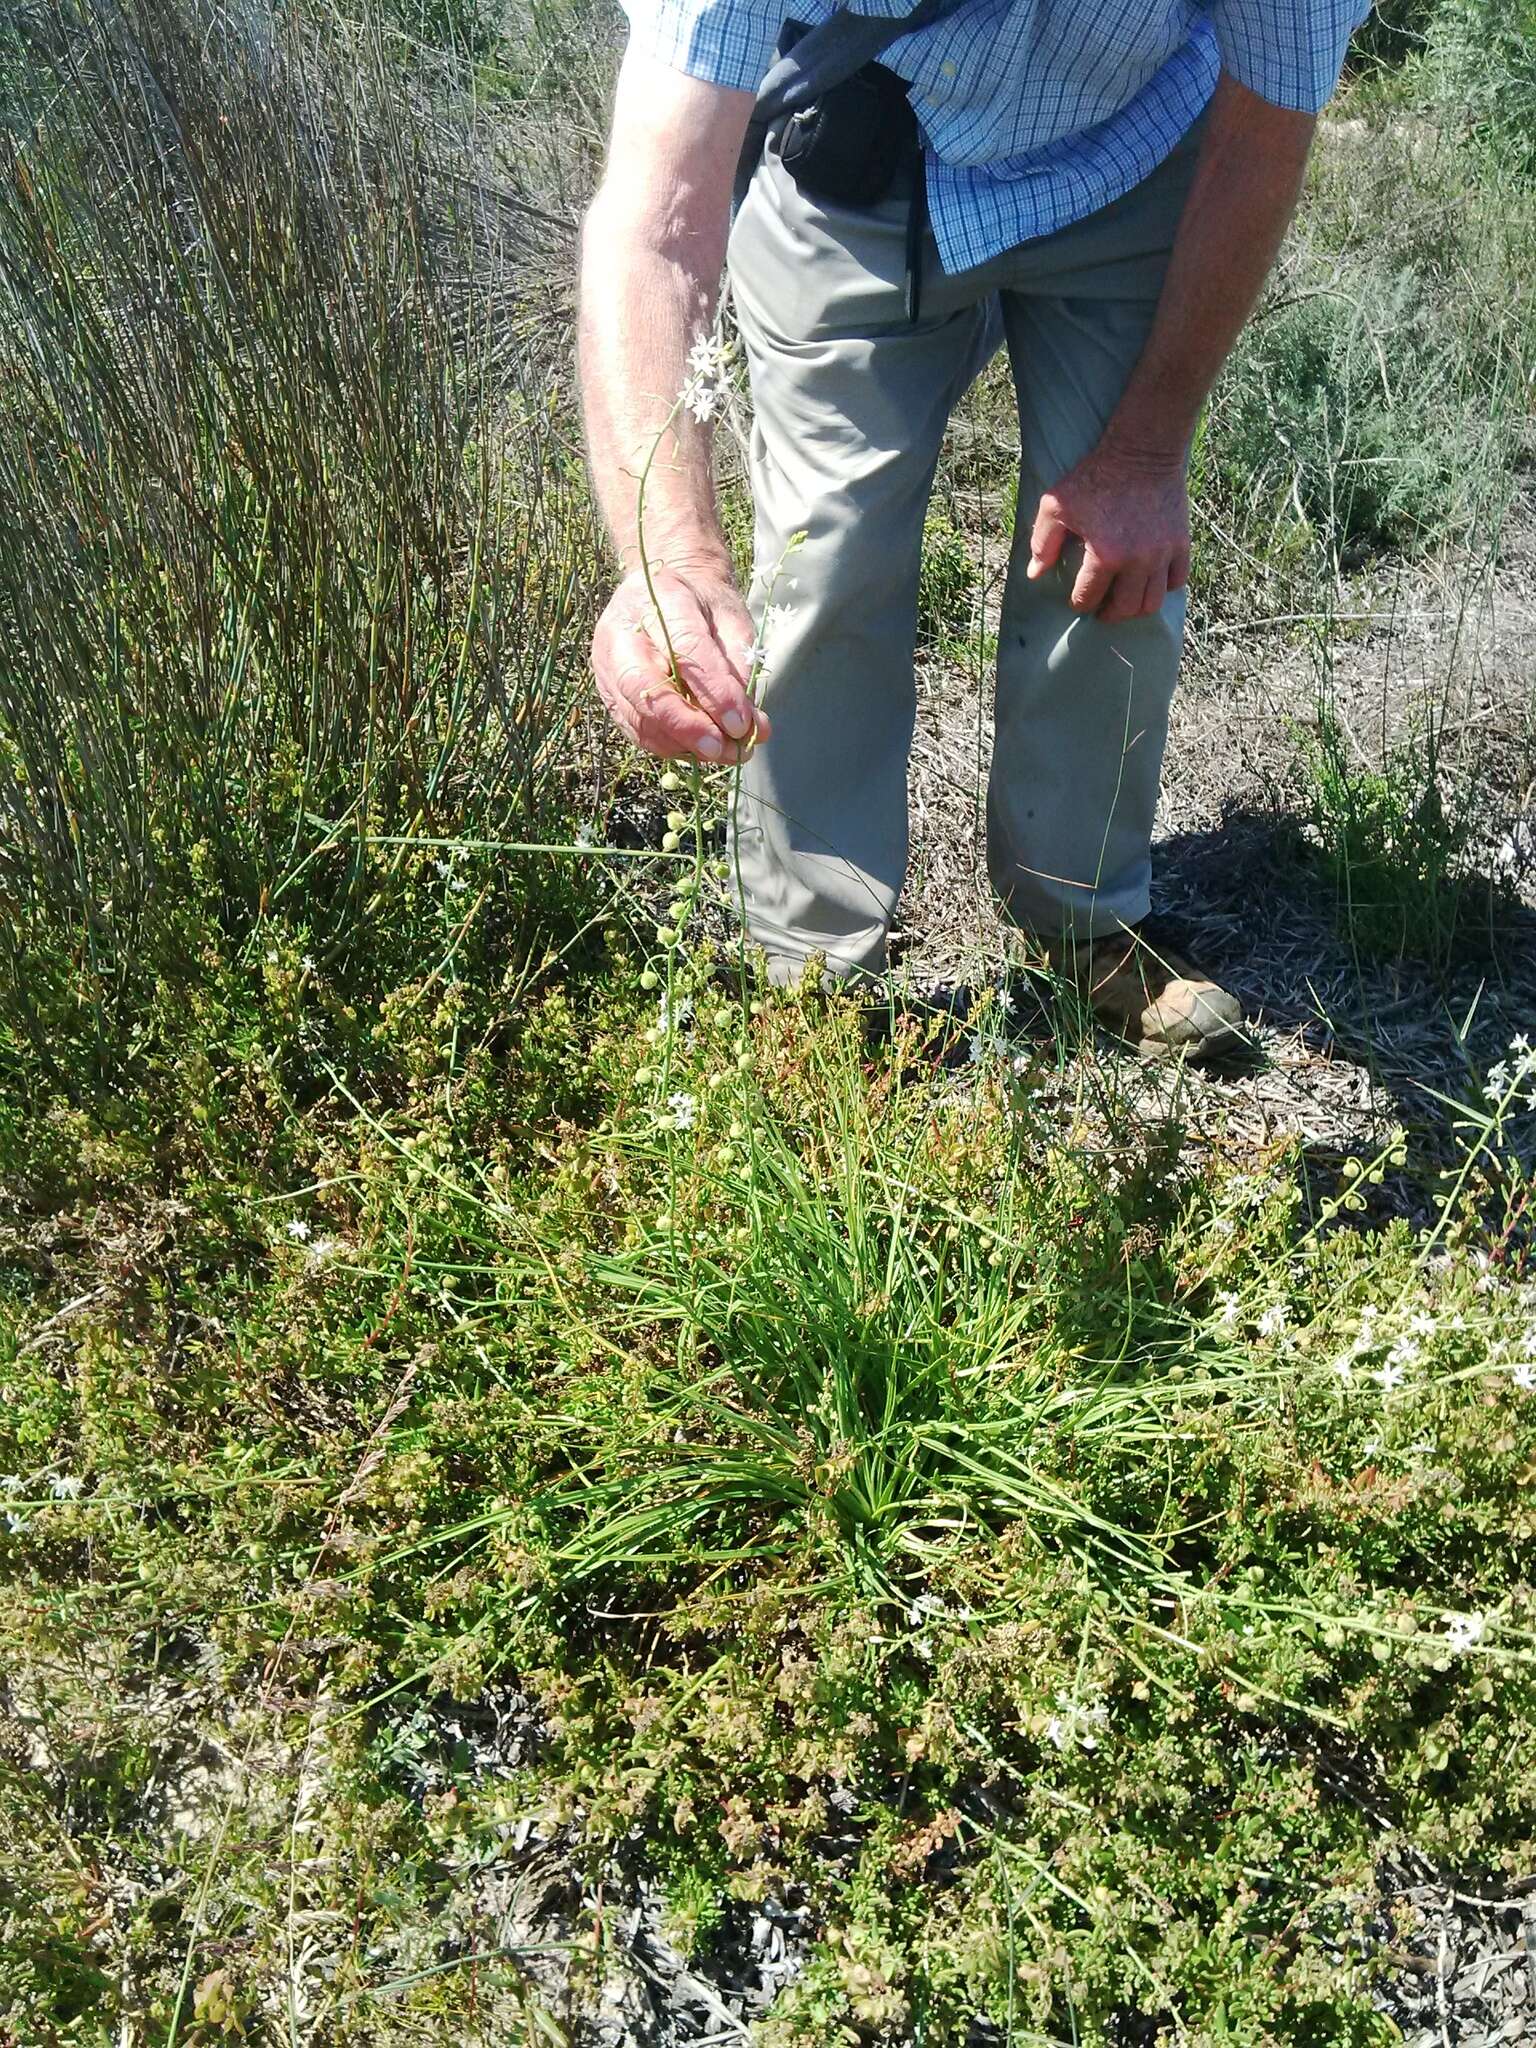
1344	1366
309	963
684	1108
322	1251
708	384
976	1050
1405	1352
1523	1373
1074	1721
1227	1306
1390	1376
297	1229
12	1482
66	1486
1464	1631
1421	1324
586	839
669	1013
707	357
1366	1338
14	1523
1274	1320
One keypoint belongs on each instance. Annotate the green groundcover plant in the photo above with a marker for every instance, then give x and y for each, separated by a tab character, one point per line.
882	1477
1061	1565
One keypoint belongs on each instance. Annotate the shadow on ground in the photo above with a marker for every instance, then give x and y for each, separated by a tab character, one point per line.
1249	900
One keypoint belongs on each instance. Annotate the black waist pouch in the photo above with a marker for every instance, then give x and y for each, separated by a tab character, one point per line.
850	146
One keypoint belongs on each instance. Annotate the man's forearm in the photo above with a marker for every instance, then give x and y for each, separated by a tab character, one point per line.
652	250
1252	161
640	312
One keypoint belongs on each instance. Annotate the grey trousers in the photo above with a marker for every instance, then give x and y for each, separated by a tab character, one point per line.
850	404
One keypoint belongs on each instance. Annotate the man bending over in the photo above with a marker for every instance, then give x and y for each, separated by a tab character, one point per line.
1112	178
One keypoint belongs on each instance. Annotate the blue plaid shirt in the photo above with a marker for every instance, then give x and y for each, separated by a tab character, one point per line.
1036	112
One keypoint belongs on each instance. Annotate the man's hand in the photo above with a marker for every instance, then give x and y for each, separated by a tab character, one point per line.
1127	501
1132	515
710	635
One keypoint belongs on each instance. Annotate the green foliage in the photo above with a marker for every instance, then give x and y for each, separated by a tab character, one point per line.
1016	1509
468	27
946	586
291	567
1353	423
1394	840
1394	32
1480	67
910	1486
1375	405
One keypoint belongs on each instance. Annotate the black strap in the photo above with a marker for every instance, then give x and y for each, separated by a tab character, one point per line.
917	220
822	58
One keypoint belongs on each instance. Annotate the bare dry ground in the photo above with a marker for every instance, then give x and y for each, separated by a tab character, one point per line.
1349	1044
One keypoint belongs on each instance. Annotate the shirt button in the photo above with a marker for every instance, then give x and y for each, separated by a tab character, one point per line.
948	68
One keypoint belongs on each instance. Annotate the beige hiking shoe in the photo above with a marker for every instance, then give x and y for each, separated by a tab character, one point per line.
1153	997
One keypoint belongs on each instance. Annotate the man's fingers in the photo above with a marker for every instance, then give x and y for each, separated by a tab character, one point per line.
674	730
1094	580
635	685
703	667
667	725
741	660
1156	592
1178	574
1050	534
1127	598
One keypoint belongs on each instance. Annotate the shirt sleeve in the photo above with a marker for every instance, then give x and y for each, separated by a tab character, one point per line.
724	42
1290	52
